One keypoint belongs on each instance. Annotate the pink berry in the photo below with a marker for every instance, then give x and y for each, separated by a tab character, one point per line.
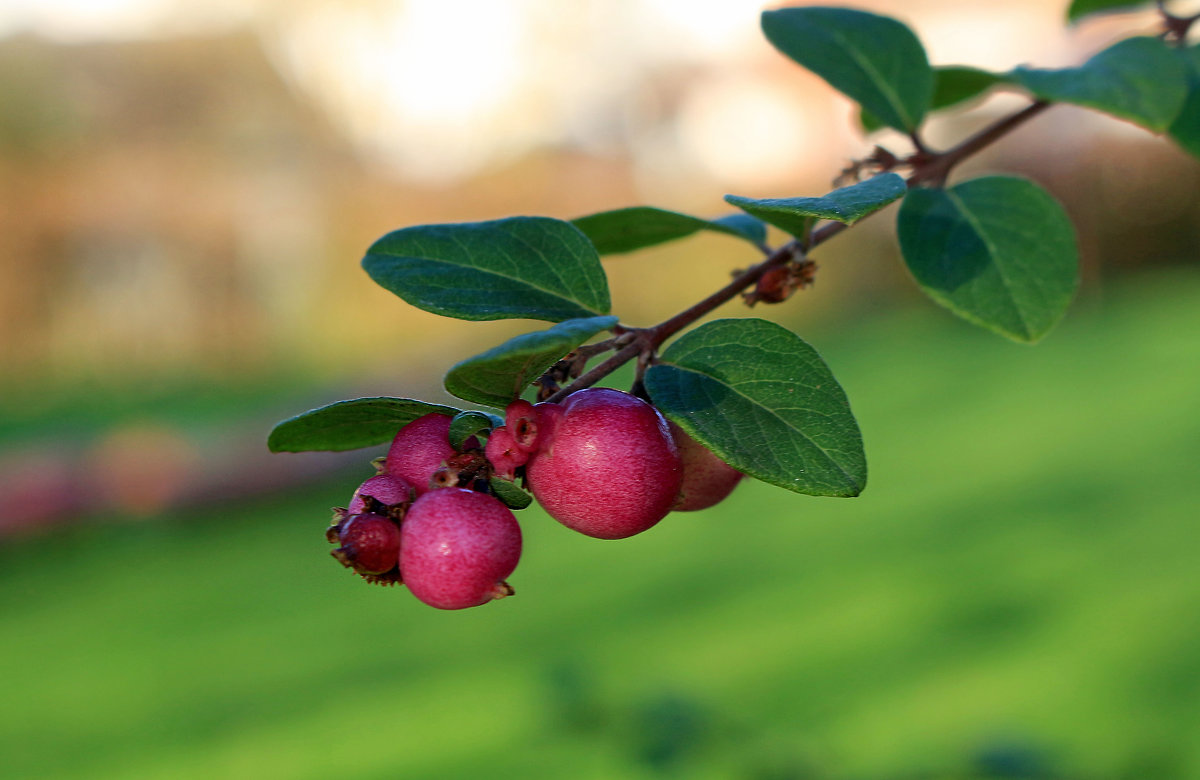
456	548
370	543
420	449
388	489
504	453
521	419
707	479
608	468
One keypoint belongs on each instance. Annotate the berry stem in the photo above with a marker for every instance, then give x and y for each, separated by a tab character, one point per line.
928	167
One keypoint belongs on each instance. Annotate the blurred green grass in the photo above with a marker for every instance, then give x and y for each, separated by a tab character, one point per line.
1016	588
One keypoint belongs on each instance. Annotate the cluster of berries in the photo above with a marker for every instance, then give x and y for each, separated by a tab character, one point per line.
603	462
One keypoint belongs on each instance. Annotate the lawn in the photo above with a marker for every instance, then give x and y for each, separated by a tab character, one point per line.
1016	592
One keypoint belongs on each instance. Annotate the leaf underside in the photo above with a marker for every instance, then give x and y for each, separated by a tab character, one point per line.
638	227
847	204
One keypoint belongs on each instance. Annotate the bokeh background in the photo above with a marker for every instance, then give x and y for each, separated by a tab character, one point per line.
185	192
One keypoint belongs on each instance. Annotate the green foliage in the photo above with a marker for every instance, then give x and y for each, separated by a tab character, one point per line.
349	425
848	204
637	227
511	495
497	377
1082	8
998	251
533	267
464	425
874	60
1186	127
1139	79
953	85
763	400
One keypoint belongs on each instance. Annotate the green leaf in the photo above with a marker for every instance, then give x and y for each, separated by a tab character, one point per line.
874	60
497	377
509	494
1186	127
1081	8
468	424
998	251
533	267
624	230
952	85
1139	79
764	402
848	204
349	425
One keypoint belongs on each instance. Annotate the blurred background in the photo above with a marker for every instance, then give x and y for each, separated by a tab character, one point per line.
185	192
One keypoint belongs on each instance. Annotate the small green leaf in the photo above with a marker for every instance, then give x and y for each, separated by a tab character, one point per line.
468	424
764	402
497	377
998	251
874	60
624	230
509	494
952	86
1082	8
1186	127
532	267
848	204
350	425
1139	79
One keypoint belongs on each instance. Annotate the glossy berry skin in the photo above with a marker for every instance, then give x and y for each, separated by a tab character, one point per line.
456	548
608	468
370	544
707	479
388	489
419	449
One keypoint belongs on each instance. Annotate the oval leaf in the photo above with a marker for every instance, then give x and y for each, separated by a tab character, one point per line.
509	494
848	204
533	267
1139	79
349	425
998	251
952	86
1186	127
468	424
763	401
1082	8
874	60
624	230
498	376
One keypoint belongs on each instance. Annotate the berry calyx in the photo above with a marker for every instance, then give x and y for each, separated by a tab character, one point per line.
521	419
607	467
457	547
504	453
370	543
707	479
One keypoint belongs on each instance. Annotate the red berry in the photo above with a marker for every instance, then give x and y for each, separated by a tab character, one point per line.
504	453
370	543
707	479
456	548
420	449
521	419
388	489
608	468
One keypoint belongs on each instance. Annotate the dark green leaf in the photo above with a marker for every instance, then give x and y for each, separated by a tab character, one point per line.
1139	79
952	85
848	204
764	402
497	377
350	425
997	251
1186	127
1081	8
624	230
468	424
874	60
532	267
509	494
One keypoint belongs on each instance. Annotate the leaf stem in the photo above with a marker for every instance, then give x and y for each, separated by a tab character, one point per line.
928	167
